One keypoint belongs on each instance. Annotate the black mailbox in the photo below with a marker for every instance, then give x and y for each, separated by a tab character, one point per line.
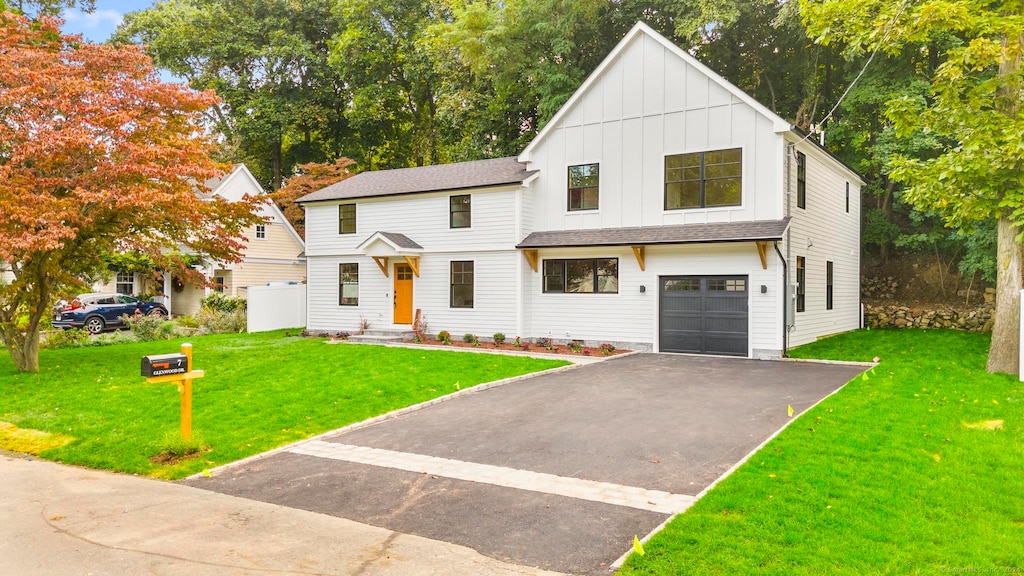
164	364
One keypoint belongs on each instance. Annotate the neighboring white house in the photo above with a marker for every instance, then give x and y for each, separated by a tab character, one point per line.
661	208
273	253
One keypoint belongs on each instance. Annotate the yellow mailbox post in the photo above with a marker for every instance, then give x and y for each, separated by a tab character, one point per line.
175	368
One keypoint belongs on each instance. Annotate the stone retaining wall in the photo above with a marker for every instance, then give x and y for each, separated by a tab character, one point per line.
896	316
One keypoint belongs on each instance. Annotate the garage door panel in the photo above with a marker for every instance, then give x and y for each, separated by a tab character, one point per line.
704	314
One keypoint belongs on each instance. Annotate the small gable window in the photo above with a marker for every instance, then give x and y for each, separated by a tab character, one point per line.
704	179
261	231
801	180
583	187
347	219
459	215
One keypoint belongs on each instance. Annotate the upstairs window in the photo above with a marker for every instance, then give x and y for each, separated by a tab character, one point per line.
801	283
589	276
347	219
828	285
261	231
801	180
348	284
583	187
459	215
847	197
704	179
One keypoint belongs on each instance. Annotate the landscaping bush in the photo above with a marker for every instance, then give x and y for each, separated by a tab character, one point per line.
186	321
470	339
445	337
149	328
57	339
607	349
499	339
221	303
576	346
220	322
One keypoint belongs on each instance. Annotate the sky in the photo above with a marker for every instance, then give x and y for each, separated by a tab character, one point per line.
99	25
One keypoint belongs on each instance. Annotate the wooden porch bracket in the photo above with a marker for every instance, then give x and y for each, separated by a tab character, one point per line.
382	263
762	251
414	263
638	251
531	257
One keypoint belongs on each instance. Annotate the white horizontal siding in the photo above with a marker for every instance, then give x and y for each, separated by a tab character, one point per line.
824	232
421	217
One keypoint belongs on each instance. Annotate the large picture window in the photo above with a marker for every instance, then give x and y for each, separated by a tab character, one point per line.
459	214
801	283
348	285
801	180
584	187
584	276
704	179
347	219
462	285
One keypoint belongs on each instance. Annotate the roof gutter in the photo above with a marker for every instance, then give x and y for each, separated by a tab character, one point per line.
785	295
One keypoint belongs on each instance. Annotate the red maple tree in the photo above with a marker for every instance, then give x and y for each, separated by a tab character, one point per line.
309	178
97	155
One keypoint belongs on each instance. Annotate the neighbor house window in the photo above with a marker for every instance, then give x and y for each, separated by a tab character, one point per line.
583	187
801	180
347	219
801	283
459	212
828	285
585	276
125	283
218	284
348	285
847	197
462	285
261	231
704	179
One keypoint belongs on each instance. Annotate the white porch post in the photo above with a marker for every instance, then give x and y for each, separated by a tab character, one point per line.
168	287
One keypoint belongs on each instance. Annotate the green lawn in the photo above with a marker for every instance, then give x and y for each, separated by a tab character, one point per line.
260	391
882	478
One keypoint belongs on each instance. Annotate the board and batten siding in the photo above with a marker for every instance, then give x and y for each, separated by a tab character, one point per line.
647	104
494	294
824	232
632	316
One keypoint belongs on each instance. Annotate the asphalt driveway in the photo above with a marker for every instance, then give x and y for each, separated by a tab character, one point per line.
558	471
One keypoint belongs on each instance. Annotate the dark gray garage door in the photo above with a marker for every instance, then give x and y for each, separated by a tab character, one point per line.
704	314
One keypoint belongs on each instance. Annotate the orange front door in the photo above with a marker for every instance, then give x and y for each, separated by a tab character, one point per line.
403	294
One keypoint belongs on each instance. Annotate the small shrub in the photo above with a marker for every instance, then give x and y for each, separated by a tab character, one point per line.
576	346
364	323
525	346
499	339
218	322
470	339
586	352
517	342
218	301
113	338
72	338
186	321
445	337
174	444
545	343
607	349
149	328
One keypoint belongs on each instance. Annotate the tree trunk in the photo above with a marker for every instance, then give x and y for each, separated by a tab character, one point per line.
23	347
1003	355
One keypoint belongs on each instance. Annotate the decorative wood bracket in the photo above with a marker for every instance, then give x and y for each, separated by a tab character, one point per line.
638	251
414	263
382	263
762	251
531	257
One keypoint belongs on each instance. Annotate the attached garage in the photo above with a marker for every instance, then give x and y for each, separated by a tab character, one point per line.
704	314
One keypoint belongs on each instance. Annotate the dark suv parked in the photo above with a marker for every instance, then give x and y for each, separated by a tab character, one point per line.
97	312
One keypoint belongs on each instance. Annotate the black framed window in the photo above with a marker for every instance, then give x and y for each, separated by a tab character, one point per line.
261	231
704	179
218	284
582	276
462	284
348	285
828	285
801	180
459	214
347	219
801	283
584	187
847	197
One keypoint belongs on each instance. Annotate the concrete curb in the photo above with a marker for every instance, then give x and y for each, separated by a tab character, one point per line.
832	362
401	411
622	559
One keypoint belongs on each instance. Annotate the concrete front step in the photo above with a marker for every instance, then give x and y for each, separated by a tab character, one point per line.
400	332
387	338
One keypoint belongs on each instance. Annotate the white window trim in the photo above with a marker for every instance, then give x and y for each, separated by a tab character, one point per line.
744	175
266	231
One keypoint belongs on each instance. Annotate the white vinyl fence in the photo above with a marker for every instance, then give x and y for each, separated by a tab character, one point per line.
276	306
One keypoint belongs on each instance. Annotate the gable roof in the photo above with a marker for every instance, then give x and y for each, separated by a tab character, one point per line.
217	187
435	178
648	235
639	29
394	239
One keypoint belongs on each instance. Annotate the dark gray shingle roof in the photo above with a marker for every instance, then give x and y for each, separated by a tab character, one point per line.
401	240
647	235
461	175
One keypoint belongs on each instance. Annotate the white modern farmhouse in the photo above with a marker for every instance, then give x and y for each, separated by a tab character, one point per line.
661	209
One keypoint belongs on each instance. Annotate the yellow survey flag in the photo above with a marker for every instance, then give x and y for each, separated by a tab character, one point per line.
789	410
207	473
637	546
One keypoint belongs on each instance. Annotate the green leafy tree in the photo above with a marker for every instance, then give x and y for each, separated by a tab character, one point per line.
974	102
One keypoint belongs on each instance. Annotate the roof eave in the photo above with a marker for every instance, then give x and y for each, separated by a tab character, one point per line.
655	242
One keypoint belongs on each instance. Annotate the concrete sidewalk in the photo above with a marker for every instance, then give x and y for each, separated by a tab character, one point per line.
66	520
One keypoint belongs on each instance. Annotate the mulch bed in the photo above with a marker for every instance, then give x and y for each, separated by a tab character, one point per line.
525	347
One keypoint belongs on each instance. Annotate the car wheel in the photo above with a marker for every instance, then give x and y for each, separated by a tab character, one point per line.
95	325
158	312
